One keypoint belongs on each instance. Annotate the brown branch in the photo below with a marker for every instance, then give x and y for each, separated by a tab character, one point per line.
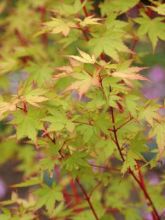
84	31
126	122
115	135
87	199
143	188
140	180
85	9
104	167
21	38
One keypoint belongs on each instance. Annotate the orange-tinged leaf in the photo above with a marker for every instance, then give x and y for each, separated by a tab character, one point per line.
83	83
129	74
33	96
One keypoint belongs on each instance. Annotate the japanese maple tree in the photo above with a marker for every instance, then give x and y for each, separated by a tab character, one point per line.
76	120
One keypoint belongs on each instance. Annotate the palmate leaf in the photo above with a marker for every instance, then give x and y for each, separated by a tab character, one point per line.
76	161
84	57
39	73
48	196
69	9
129	74
10	106
8	65
149	112
83	83
112	6
160	9
58	121
30	182
110	43
154	28
27	124
58	25
158	131
90	20
5	216
34	97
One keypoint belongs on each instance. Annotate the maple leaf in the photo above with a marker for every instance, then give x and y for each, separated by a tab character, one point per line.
32	96
8	106
85	58
159	131
160	9
90	20
39	73
118	7
154	28
69	9
27	124
57	25
110	43
7	65
48	196
130	73
35	96
83	83
149	112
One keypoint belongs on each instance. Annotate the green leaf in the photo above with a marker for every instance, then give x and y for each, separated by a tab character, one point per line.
76	161
69	9
131	102
87	131
39	73
160	9
27	124
154	28
132	213
103	44
58	121
47	196
7	149
158	131
112	6
104	149
149	112
102	123
30	182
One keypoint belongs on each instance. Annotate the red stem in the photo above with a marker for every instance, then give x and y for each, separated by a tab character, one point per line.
44	36
140	180
75	192
85	9
21	38
87	199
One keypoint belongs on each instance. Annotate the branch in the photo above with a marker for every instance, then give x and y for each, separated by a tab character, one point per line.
87	199
126	122
84	9
140	180
78	182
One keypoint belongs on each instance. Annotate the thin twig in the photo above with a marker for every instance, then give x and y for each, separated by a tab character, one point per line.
140	180
87	199
126	122
84	9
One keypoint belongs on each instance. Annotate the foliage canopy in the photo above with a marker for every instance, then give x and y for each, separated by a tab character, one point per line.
76	119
